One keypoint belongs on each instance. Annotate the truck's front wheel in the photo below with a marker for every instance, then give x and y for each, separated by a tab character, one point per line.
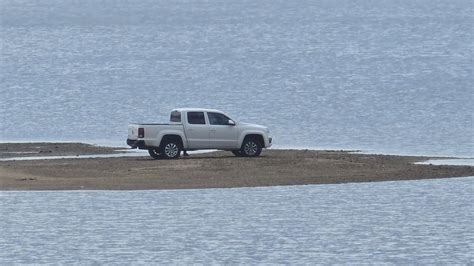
251	148
170	149
155	153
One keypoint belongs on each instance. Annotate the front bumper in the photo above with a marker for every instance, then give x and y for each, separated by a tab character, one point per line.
134	143
268	143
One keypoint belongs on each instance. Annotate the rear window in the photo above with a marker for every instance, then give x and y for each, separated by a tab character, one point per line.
196	118
175	116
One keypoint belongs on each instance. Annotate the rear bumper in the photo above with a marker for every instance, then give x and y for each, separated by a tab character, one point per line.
134	143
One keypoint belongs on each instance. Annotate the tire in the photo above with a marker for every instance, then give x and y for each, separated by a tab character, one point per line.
170	149
251	148
237	153
155	153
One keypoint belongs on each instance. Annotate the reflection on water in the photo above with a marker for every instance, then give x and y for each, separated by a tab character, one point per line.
401	222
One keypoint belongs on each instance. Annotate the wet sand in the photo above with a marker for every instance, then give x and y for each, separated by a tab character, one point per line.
209	170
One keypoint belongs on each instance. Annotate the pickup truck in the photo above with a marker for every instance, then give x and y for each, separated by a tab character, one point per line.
197	129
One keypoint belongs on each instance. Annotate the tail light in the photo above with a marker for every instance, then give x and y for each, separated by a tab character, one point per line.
141	132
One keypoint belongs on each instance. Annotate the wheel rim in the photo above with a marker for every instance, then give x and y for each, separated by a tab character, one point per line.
171	150
250	148
155	151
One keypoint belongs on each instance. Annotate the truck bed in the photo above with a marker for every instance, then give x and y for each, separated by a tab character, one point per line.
152	132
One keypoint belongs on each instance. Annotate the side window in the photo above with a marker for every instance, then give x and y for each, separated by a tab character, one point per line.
218	119
175	116
196	118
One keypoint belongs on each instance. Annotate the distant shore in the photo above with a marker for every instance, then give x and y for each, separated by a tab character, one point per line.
208	170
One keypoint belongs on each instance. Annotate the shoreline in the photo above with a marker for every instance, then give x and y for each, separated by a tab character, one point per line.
242	187
217	169
123	146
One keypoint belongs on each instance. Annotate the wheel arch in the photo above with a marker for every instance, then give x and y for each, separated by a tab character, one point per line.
173	137
171	134
258	136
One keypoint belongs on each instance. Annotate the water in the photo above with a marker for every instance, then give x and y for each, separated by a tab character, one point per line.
403	222
380	76
468	162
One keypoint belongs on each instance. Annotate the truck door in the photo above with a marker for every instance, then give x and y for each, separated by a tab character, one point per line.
222	134
197	130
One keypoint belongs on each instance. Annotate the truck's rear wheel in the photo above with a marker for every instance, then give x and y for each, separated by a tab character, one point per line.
251	147
170	149
155	153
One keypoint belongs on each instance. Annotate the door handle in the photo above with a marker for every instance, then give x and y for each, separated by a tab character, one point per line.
213	130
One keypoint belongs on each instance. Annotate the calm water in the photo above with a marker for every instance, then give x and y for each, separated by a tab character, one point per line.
406	222
384	76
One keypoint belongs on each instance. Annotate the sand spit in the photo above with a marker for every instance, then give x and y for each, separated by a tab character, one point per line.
209	170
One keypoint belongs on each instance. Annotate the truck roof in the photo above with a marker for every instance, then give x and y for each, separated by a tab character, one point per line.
196	110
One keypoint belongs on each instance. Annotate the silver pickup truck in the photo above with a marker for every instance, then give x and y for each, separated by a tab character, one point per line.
197	129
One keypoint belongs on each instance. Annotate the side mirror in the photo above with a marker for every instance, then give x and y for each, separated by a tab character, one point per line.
231	122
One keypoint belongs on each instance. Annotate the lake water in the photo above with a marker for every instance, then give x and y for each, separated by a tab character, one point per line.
403	222
380	76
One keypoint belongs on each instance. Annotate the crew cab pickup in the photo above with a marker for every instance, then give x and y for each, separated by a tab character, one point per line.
197	129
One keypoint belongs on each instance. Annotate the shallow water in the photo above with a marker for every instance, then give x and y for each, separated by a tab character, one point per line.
403	222
380	76
116	155
468	162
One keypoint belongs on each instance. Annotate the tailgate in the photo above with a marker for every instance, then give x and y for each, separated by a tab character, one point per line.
133	131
